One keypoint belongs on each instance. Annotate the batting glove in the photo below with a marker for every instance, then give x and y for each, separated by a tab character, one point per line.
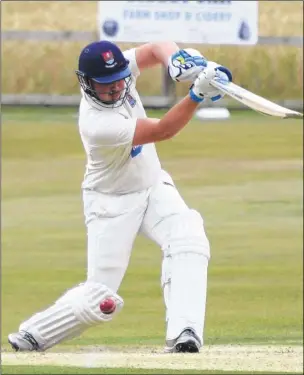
186	64
201	87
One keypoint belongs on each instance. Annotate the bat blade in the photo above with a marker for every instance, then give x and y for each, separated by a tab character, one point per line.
254	101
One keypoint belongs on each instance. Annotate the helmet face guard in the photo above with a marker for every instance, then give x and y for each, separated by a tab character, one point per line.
87	84
103	63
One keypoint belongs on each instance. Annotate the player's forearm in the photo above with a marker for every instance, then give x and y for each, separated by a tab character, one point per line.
151	54
177	118
163	50
149	130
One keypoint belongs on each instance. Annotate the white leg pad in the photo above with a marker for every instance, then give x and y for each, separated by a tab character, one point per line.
184	274
71	314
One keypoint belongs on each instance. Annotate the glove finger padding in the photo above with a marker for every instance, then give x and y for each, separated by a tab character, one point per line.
222	74
201	85
186	64
202	89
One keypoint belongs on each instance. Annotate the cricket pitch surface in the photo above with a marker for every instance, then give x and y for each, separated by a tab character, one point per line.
265	358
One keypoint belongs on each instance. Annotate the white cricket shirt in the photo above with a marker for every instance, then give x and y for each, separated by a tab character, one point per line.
113	165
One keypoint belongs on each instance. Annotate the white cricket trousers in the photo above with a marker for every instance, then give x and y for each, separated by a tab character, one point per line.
160	213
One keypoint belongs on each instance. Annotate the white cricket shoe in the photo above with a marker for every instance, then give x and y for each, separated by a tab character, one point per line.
187	342
23	341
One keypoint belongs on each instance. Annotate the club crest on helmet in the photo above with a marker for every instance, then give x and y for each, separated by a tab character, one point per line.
109	59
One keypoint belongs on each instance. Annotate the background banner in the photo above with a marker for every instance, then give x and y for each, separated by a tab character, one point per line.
203	22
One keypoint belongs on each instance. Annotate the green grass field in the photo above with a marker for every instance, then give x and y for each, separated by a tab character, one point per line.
244	175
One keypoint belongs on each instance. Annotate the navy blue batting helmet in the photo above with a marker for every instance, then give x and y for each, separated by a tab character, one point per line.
102	62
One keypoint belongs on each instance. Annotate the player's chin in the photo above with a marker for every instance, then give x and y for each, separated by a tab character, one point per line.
115	97
109	99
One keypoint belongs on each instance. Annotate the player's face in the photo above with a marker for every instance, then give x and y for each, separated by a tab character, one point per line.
109	92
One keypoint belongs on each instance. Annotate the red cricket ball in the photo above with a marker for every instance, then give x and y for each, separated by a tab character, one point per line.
107	306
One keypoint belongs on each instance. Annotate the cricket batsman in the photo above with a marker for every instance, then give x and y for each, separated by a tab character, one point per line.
126	192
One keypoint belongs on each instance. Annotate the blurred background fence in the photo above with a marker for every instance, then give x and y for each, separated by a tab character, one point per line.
41	42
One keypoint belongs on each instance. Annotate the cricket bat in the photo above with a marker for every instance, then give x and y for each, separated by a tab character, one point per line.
254	101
